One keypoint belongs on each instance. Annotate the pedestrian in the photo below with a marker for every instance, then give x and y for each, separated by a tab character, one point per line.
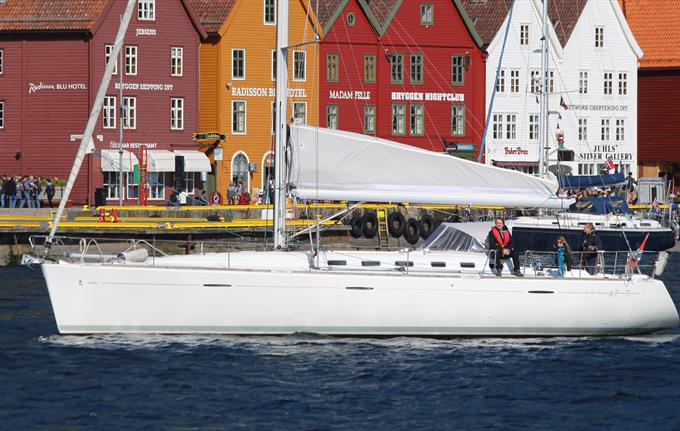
24	192
2	192
590	248
49	191
500	241
10	189
203	198
562	255
182	197
237	193
630	182
36	189
231	193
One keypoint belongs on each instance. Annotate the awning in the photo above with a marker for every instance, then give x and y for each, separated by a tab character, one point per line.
161	161
111	161
194	161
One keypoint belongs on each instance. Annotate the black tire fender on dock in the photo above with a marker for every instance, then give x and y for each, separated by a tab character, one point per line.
426	225
396	224
412	231
356	227
369	224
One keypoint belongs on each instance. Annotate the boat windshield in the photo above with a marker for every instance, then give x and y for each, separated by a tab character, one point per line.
449	238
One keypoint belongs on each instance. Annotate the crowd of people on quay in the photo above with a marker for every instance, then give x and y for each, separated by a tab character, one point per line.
25	191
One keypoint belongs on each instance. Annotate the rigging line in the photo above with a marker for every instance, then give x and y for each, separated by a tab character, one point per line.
493	93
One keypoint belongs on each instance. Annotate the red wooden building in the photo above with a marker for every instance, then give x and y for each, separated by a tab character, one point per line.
52	58
409	71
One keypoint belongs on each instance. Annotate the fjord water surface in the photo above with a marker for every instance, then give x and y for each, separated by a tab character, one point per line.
311	382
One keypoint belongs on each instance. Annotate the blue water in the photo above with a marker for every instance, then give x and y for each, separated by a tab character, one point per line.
306	382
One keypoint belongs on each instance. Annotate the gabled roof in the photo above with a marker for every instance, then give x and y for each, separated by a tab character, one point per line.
50	15
212	13
380	13
564	14
328	11
487	16
657	30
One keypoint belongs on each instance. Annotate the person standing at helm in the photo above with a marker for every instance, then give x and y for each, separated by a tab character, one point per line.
500	241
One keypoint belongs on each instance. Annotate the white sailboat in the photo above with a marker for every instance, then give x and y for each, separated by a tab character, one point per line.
444	288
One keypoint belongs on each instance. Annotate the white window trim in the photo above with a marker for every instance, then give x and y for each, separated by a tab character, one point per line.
152	10
117	187
245	117
131	119
298	103
611	82
264	13
135	57
2	110
271	67
231	169
180	60
304	70
115	112
181	112
162	197
528	27
618	82
107	55
595	35
232	64
2	61
264	159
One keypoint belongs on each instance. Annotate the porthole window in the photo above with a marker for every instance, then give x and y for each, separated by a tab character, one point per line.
350	18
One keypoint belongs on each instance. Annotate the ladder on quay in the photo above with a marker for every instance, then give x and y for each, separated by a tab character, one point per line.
383	231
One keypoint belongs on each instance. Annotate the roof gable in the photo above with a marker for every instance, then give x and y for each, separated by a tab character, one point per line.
487	17
212	13
52	15
328	11
564	15
380	13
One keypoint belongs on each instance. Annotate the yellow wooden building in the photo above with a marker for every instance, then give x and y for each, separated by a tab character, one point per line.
237	84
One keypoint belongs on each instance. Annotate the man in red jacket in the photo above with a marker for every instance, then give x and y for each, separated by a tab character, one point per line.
500	241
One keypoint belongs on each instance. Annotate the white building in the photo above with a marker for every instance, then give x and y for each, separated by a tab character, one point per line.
593	60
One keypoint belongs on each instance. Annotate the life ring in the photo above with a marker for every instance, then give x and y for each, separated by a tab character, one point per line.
412	231
426	225
369	224
356	227
396	224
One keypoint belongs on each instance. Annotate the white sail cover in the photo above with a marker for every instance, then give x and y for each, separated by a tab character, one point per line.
335	165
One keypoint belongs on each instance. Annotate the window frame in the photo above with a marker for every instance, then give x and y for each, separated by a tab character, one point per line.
395	119
244	175
417	119
608	83
332	69
583	82
369	113
131	56
295	116
533	132
369	68
264	12
514	81
423	19
235	112
332	124
176	61
149	12
623	83
2	114
176	122
156	187
535	85
421	68
605	129
296	77
497	126
511	127
2	61
582	133
274	64
459	117
129	113
524	34
131	187
108	49
111	184
599	38
461	68
619	130
109	113
396	67
234	64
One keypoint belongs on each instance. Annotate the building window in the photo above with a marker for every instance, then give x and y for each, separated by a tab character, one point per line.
587	168
132	188
156	185
535	81
416	69
108	49
111	185
398	119
189	183
300	112
146	10
608	78
599	37
299	65
369	119
583	82
426	14
273	118
417	119
623	83
498	126
238	63
2	115
351	19
396	68
604	132
131	60
457	120
273	65
620	129
129	117
533	127
109	112
369	68
238	117
176	61
332	67
239	170
551	81
500	82
511	126
514	81
583	129
177	113
270	12
524	34
457	70
2	61
332	116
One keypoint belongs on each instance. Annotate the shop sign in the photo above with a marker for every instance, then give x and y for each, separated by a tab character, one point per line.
409	96
146	32
349	95
59	86
209	135
266	92
217	154
144	86
134	145
606	108
216	198
605	152
515	151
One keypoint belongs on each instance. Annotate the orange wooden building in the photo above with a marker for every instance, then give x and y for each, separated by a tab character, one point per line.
238	83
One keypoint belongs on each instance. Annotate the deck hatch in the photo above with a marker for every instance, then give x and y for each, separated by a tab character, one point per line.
438	264
370	263
467	264
541	291
403	263
337	262
358	288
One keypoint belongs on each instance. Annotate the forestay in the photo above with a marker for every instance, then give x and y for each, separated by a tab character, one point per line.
337	165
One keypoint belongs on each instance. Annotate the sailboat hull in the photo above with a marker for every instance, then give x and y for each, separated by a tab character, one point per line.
95	298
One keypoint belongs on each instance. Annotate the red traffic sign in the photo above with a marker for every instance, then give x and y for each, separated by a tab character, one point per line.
215	198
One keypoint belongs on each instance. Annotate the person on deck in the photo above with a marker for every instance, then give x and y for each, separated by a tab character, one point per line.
562	255
591	245
501	242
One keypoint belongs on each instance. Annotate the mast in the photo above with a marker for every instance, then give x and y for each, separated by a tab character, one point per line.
281	105
543	117
86	140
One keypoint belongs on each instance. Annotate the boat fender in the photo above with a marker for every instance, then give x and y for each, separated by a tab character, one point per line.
660	263
412	232
356	227
396	224
369	224
426	225
136	255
